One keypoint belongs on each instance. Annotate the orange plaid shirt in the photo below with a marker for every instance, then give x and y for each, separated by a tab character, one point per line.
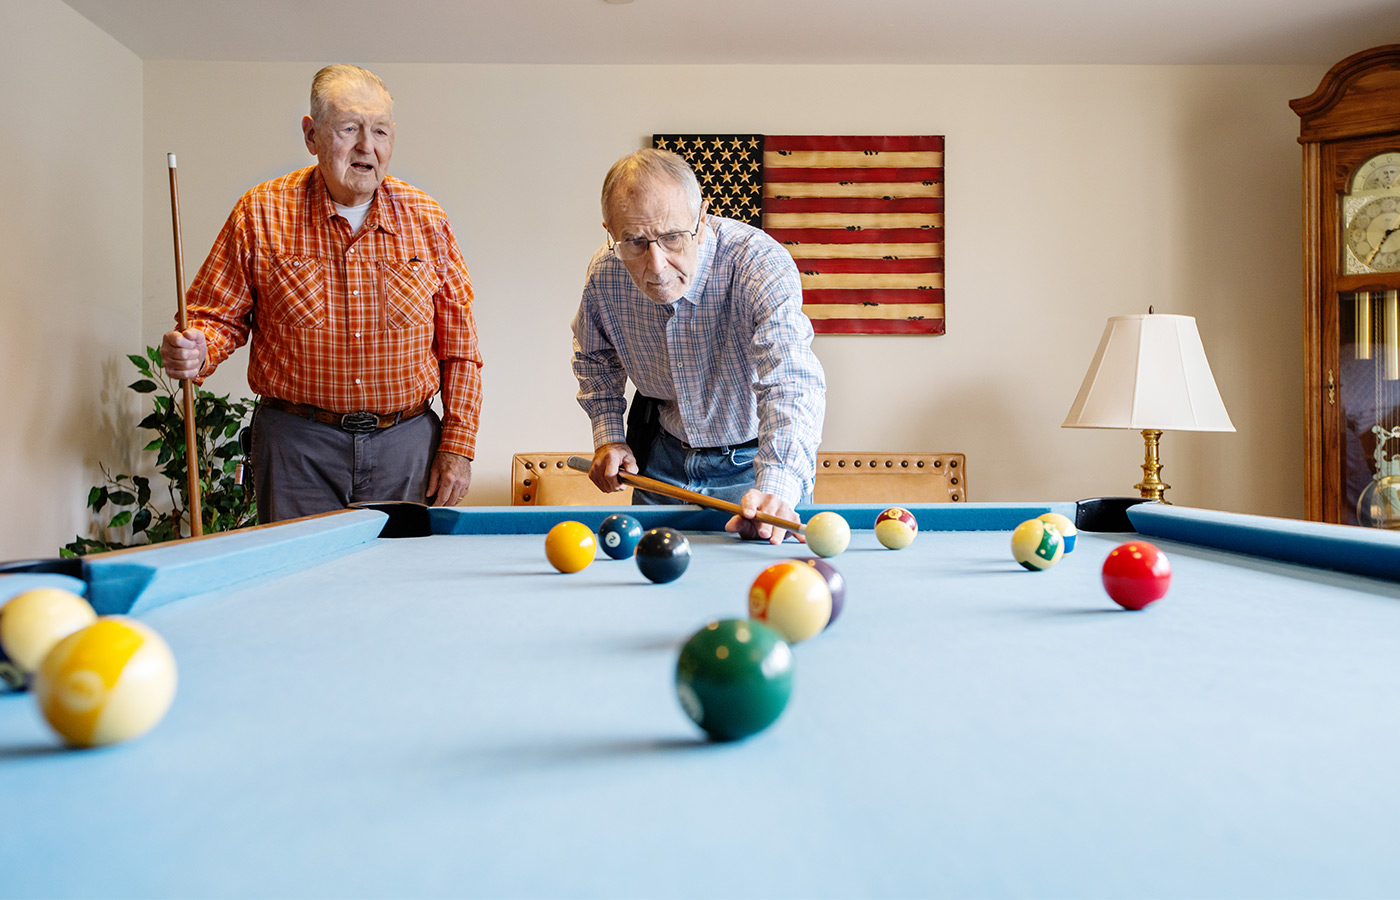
374	322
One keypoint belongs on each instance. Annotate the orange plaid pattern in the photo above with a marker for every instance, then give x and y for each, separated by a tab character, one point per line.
376	321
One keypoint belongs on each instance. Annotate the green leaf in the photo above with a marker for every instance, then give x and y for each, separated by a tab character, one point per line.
101	500
120	519
144	386
94	494
141	521
122	498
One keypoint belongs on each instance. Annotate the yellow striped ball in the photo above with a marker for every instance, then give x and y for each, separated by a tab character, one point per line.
1036	545
109	682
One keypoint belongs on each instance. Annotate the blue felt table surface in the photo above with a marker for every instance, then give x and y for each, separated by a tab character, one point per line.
446	716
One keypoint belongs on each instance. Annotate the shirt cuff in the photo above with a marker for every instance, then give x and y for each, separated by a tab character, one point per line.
781	483
608	430
458	441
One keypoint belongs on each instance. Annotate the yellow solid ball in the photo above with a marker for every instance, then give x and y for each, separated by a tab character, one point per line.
570	546
31	623
828	534
109	682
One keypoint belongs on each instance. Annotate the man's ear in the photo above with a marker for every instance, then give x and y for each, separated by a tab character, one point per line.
308	131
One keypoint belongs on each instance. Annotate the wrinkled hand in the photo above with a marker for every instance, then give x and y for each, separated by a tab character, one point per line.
183	353
449	478
608	460
755	501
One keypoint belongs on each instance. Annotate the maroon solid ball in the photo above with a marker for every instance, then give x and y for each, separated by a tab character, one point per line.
835	582
1136	574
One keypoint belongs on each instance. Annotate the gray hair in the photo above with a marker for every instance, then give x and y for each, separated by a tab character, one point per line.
648	167
340	75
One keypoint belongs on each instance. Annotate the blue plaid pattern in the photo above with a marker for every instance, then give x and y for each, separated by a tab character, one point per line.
733	357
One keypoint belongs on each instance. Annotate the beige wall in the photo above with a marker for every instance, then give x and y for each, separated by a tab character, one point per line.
70	268
1073	194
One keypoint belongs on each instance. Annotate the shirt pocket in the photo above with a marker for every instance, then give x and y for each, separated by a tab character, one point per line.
296	294
407	294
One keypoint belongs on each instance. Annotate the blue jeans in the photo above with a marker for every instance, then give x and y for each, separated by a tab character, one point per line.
724	473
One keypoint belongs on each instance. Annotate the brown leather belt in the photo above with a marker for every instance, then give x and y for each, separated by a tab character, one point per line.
354	423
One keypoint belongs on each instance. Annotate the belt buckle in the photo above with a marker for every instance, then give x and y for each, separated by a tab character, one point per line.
359	422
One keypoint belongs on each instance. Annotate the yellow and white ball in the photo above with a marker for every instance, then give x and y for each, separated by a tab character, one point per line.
30	624
1036	545
109	682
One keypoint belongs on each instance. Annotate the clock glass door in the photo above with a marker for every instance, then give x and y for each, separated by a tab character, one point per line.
1369	398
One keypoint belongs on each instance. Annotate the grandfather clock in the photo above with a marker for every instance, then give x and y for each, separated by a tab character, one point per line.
1350	132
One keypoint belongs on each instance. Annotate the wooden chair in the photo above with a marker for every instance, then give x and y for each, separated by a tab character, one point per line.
545	479
891	478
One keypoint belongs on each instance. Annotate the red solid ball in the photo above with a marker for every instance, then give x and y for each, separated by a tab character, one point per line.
1136	574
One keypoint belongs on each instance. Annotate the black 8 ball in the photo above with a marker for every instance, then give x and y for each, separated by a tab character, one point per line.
663	554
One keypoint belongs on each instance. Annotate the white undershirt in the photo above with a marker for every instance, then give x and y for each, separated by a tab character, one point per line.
355	215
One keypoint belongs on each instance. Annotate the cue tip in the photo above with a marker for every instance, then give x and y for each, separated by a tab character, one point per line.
170	158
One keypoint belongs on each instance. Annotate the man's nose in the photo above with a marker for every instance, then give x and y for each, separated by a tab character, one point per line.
656	257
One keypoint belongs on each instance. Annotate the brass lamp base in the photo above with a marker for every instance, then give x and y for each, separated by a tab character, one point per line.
1151	486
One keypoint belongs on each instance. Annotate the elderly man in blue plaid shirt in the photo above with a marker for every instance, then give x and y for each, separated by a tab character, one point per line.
704	315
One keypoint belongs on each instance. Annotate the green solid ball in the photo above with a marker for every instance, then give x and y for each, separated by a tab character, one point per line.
734	678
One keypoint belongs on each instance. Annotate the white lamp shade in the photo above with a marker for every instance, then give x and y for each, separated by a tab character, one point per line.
1150	372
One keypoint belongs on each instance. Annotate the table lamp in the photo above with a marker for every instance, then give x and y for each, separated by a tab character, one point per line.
1150	373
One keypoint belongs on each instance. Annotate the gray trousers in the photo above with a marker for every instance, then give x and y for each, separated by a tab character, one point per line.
301	467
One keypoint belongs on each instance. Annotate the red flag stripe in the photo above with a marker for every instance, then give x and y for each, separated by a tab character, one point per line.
857	235
834	174
853	296
840	204
878	326
851	142
871	266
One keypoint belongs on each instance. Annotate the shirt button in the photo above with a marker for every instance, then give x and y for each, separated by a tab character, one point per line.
351	250
357	334
356	293
357	381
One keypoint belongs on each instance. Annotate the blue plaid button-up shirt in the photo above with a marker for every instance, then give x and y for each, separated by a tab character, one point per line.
733	357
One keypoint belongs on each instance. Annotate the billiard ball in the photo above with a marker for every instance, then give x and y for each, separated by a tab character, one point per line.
1065	527
570	546
1136	574
1037	545
835	582
793	598
734	678
30	624
108	682
663	554
619	534
828	534
896	528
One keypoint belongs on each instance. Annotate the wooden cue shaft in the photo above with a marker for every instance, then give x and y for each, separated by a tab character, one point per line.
191	447
583	464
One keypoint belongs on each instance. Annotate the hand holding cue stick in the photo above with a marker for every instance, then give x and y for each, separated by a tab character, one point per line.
191	448
583	464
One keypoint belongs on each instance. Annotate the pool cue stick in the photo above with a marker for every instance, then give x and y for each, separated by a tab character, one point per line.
191	448
583	464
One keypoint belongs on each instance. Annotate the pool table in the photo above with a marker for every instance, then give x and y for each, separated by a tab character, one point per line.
446	715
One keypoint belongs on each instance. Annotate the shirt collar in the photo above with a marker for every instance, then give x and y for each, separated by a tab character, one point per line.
704	262
383	212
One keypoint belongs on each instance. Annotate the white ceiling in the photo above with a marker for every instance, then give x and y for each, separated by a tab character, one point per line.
1192	32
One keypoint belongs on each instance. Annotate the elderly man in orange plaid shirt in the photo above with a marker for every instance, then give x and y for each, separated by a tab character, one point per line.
353	291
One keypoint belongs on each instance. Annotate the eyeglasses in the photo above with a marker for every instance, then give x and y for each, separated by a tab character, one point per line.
671	242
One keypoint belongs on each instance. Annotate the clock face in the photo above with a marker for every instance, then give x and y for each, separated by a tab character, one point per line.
1379	173
1373	235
